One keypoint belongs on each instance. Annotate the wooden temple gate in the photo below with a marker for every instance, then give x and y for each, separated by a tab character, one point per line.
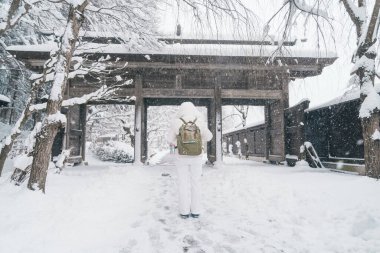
210	80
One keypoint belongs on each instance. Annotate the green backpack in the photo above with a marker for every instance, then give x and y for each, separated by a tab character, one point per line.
189	140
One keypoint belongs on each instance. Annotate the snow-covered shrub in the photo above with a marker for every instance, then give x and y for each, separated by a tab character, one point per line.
115	151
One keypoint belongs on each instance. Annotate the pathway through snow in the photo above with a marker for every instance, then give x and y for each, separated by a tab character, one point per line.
248	207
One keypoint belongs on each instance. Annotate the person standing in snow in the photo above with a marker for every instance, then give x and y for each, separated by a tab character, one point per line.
230	152
246	149
189	167
238	146
224	148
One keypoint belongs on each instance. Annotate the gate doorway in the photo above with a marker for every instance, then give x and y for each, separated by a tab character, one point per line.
244	132
110	133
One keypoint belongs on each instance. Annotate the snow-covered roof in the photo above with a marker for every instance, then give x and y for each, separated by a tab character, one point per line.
4	98
186	49
122	36
300	102
347	96
257	123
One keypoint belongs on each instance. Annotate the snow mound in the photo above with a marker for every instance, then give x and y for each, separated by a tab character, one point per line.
115	151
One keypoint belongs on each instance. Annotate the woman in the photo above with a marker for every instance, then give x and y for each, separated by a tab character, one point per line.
189	167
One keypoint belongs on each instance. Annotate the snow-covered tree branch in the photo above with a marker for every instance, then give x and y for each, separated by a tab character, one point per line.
16	10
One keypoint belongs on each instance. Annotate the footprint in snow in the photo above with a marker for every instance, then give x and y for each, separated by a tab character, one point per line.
191	245
224	249
132	243
136	224
144	213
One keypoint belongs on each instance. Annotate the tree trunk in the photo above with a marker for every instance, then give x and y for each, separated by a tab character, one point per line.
42	151
53	118
3	155
371	146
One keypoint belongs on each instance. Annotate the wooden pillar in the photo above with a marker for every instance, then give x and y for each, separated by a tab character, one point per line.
214	112
267	130
138	120
66	142
218	121
275	122
285	79
74	131
211	146
144	131
83	121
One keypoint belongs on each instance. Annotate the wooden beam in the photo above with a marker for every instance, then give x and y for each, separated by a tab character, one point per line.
174	93
186	93
251	94
113	101
178	82
295	71
219	67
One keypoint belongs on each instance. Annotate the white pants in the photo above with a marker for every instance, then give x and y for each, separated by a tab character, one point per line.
189	171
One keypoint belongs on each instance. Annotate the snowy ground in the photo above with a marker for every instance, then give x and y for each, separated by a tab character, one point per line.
248	207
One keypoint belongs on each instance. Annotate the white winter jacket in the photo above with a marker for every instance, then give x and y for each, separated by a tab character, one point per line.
188	112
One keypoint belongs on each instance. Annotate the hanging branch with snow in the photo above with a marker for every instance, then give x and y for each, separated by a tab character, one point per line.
290	13
208	13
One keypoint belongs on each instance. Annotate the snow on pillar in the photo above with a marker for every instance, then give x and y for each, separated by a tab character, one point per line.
138	120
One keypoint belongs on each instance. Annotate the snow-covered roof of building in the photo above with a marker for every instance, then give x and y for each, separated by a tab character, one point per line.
187	49
347	96
257	123
4	98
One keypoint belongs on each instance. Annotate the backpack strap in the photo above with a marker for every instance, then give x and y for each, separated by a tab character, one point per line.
192	122
184	122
